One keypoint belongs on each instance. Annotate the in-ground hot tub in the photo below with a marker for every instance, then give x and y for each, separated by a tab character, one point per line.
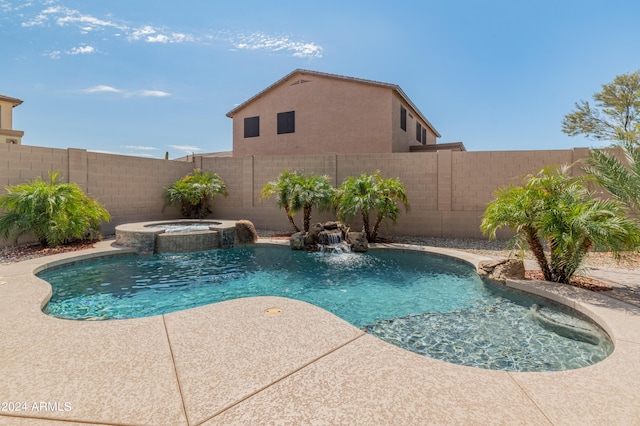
176	236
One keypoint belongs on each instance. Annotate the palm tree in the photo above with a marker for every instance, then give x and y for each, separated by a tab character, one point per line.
282	189
311	191
178	194
193	193
370	194
295	191
554	208
622	181
54	212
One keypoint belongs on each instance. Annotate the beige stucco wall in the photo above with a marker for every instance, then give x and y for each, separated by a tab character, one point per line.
7	133
6	115
362	118
403	140
448	191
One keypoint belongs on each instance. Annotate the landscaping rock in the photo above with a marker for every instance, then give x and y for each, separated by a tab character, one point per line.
358	242
245	233
312	235
297	241
501	270
329	226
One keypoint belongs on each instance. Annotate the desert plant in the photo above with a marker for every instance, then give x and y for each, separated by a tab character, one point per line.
54	212
296	191
558	210
311	191
193	193
370	196
620	179
282	189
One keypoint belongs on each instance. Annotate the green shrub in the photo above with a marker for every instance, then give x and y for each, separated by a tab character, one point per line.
555	209
54	212
373	198
192	193
296	191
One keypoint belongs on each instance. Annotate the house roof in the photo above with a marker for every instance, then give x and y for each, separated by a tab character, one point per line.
390	86
451	146
14	101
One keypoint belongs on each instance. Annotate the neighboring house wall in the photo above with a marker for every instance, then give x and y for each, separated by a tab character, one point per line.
7	134
448	191
403	139
333	114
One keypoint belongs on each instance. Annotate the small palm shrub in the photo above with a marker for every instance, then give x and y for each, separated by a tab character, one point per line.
193	193
295	191
56	213
558	210
373	198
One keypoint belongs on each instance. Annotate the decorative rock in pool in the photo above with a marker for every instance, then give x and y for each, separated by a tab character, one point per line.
176	236
330	236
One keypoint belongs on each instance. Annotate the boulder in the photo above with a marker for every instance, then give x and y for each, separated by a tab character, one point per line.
358	242
297	241
329	226
312	235
328	238
501	270
245	233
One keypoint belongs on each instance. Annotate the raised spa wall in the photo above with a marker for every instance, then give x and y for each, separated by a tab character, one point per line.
148	239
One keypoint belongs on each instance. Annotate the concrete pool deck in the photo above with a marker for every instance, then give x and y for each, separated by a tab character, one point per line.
234	363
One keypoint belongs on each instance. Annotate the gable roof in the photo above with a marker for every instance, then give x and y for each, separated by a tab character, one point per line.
390	86
14	101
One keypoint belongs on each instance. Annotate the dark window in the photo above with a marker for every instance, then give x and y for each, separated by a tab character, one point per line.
403	118
251	127
286	122
424	136
418	132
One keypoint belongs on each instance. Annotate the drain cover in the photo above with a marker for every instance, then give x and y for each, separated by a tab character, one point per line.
273	311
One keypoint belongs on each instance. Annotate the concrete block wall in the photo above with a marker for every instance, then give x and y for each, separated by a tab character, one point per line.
131	188
448	191
19	163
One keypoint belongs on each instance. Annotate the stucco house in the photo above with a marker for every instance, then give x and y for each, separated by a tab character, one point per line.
7	134
311	112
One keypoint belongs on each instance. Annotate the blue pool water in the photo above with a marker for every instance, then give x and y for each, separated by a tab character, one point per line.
431	305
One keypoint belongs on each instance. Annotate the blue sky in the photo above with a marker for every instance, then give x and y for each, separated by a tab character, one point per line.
145	77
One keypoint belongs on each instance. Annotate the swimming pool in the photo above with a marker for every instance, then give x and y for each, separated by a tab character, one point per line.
428	304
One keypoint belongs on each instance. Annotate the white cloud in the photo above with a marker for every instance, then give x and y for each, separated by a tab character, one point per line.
153	93
261	41
82	50
186	148
54	54
141	148
102	89
63	16
126	93
55	15
150	34
142	32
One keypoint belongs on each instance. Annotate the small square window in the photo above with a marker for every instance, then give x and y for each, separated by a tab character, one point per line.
251	127
286	122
